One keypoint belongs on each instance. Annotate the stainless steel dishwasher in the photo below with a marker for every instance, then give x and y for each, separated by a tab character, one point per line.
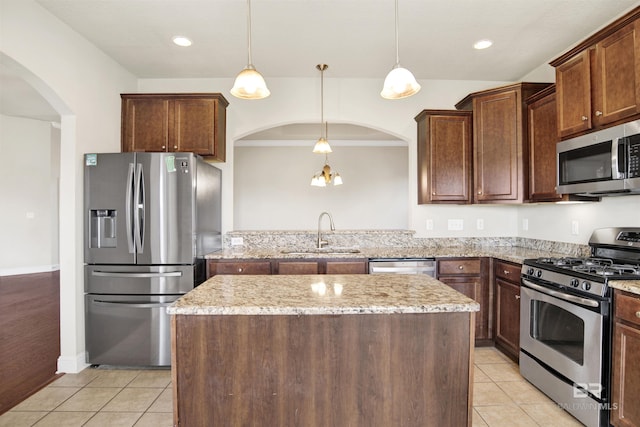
403	266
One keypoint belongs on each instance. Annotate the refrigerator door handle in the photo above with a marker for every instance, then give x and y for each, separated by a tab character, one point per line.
133	304
128	210
138	200
98	273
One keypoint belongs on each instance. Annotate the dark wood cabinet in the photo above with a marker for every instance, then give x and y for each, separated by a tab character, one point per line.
500	142
470	276
507	308
288	266
175	122
444	156
543	137
215	267
625	384
598	81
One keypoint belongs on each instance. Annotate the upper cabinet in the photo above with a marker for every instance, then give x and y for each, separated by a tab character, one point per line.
543	137
444	156
175	122
598	82
500	142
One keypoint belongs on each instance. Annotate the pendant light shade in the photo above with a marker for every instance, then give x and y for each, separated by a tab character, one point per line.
399	83
249	83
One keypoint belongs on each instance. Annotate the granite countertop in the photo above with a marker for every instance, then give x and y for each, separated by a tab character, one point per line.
507	253
632	286
321	294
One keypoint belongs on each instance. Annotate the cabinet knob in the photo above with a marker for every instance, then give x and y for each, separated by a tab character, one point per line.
506	272
598	113
460	267
479	191
584	118
175	147
239	269
517	296
433	193
637	313
163	147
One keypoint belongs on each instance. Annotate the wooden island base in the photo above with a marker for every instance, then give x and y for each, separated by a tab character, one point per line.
407	369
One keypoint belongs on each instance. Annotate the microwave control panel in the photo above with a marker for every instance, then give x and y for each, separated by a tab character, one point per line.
633	170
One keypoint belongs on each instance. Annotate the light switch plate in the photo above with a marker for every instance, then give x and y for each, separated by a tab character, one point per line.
429	224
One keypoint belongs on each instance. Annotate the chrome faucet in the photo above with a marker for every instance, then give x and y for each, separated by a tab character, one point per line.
321	242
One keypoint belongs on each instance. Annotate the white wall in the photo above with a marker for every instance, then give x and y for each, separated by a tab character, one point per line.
29	187
272	187
83	85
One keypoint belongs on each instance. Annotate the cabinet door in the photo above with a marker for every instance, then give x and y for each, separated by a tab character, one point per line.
193	126
472	287
617	76
346	267
297	267
444	157
239	267
573	88
497	137
145	124
626	376
507	316
543	137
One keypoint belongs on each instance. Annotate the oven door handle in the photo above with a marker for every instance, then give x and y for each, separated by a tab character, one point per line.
562	295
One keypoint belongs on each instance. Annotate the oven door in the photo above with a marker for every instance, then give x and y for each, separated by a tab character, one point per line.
561	332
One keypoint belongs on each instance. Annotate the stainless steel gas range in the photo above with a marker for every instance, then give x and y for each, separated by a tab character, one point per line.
565	325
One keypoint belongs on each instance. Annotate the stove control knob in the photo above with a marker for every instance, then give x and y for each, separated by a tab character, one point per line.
539	273
574	283
586	286
530	271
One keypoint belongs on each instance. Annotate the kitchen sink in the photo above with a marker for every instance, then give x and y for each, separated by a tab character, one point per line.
325	251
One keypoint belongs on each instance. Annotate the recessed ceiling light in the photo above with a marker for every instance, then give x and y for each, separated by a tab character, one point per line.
182	41
482	44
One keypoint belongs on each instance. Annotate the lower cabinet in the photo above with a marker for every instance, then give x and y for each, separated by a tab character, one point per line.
470	276
287	266
506	317
625	383
238	267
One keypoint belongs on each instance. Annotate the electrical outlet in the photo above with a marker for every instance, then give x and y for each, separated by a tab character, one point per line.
480	224
237	241
455	224
525	224
575	228
429	224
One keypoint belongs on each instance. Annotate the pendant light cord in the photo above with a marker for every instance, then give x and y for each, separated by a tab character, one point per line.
249	33
397	37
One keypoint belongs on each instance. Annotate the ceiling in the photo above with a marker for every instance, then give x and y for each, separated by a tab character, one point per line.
355	37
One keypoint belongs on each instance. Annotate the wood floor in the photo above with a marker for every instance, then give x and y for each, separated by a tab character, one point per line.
29	334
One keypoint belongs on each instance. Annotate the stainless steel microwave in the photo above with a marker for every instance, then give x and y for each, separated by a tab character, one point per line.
601	163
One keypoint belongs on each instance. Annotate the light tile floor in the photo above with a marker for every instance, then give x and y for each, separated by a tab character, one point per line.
124	398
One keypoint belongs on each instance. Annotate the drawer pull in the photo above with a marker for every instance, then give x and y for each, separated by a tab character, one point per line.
506	272
239	269
598	113
584	118
460	267
638	314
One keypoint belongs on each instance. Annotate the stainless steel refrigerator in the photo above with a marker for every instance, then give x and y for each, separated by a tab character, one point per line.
149	220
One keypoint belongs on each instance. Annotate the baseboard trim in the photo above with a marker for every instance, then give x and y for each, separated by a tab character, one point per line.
72	365
29	270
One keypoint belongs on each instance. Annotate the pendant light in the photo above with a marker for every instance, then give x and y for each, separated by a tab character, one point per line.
322	146
399	83
249	83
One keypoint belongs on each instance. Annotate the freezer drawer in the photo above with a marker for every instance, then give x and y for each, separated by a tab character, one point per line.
142	280
128	330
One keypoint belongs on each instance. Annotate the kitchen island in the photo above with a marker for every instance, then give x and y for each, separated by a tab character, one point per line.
322	350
